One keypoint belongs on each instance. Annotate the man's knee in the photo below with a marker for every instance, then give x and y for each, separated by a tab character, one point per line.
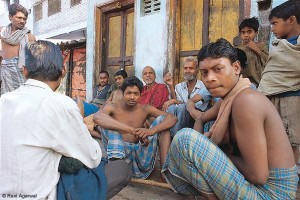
118	174
184	136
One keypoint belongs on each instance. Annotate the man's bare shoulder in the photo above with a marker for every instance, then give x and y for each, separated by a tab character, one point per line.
31	37
250	100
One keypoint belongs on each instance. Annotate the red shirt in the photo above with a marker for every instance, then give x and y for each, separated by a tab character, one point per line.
156	96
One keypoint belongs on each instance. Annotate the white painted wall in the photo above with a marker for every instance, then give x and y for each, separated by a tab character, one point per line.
68	20
151	33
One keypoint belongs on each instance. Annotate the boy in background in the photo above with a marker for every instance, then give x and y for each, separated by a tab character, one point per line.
257	52
281	77
117	94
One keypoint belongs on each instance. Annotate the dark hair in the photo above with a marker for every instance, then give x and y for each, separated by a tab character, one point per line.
286	10
43	61
251	23
218	49
132	81
104	72
242	57
15	7
122	73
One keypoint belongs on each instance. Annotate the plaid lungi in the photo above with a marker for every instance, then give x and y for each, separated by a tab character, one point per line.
11	75
141	158
195	164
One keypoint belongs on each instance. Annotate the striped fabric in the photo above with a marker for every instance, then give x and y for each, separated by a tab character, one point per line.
11	75
195	164
141	158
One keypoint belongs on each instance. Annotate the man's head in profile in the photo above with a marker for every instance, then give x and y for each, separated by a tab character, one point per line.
44	62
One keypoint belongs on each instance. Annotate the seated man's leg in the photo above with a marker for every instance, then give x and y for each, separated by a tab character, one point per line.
164	145
118	175
193	159
178	110
113	144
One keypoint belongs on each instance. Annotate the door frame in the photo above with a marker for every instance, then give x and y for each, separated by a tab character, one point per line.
100	46
174	33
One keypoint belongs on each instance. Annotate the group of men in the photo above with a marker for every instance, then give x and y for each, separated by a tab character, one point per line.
47	150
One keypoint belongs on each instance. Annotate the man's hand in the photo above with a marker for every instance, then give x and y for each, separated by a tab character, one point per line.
196	114
166	105
208	134
143	132
168	79
144	142
253	46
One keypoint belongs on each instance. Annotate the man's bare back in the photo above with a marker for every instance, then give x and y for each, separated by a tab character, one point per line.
257	130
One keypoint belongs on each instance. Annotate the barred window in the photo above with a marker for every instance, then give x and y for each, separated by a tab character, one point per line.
151	6
54	6
75	2
38	12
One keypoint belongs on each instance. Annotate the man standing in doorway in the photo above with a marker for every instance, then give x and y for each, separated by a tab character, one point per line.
14	38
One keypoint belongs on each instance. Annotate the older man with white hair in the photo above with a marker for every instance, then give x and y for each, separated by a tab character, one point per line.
184	91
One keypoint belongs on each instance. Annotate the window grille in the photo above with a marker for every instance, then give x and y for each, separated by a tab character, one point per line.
151	6
38	12
75	2
54	6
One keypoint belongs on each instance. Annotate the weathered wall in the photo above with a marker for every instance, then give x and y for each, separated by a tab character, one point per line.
79	73
69	19
150	38
151	32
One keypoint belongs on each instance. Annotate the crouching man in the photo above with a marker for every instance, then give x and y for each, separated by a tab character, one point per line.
123	135
246	154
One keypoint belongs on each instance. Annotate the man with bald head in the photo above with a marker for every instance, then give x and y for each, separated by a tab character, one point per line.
155	94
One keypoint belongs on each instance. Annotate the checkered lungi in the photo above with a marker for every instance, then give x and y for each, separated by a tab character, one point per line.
141	158
195	164
11	75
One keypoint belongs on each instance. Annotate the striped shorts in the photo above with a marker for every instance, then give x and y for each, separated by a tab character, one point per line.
11	75
195	165
141	158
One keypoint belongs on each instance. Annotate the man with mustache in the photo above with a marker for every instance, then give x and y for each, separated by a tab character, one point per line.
246	154
184	91
14	38
103	90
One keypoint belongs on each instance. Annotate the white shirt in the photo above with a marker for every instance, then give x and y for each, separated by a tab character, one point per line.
182	93
38	126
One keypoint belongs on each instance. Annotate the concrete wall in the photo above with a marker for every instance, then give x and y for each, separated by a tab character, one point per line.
4	20
69	19
263	14
151	33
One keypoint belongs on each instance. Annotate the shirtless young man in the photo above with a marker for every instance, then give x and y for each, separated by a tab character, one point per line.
117	94
123	136
14	38
253	159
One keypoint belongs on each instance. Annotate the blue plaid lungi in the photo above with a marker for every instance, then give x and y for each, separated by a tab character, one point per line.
195	164
141	158
11	75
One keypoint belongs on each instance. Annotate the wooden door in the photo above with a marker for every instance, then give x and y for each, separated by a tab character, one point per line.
118	42
200	22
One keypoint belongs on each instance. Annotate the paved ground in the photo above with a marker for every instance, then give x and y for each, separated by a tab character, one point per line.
137	191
